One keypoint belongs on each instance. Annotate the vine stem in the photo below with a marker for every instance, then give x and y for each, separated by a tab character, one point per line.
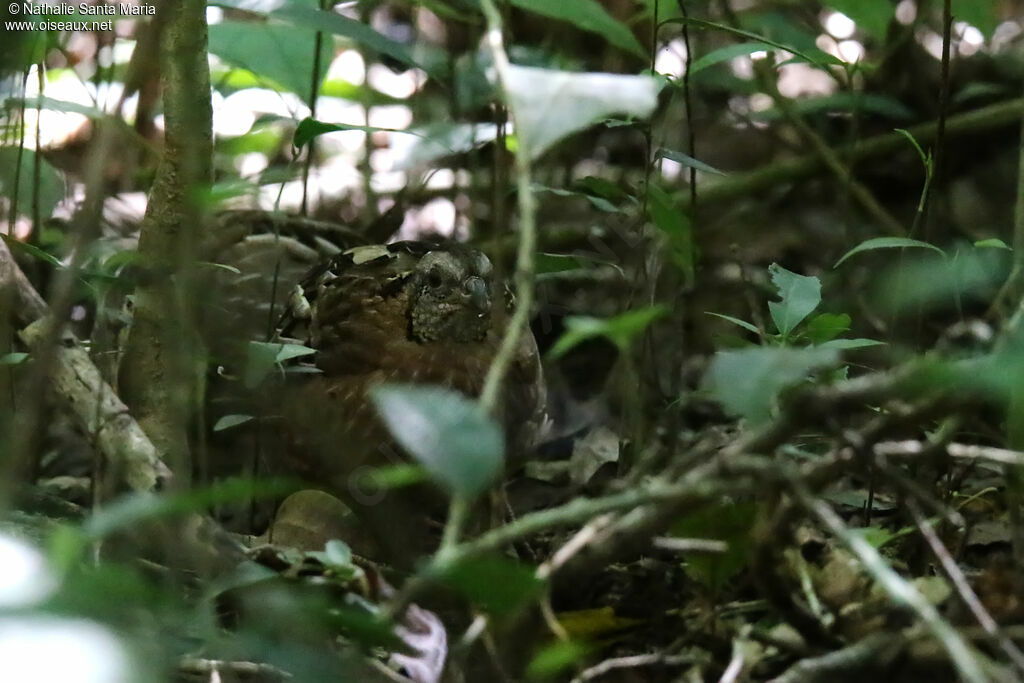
527	217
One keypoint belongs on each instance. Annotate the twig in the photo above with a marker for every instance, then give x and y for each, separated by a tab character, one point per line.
79	384
897	587
1003	456
870	653
634	662
967	594
195	665
744	184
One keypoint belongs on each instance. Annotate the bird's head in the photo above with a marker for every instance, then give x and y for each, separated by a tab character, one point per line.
451	295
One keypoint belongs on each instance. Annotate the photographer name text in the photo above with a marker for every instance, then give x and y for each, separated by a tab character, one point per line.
56	10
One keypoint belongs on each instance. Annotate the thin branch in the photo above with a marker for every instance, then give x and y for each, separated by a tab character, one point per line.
967	594
901	591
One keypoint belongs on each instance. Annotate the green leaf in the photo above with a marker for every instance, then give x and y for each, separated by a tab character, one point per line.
51	183
278	52
888	243
14	358
310	128
925	157
724	54
394	476
288	351
844	102
673	222
495	584
599	203
736	321
451	436
816	57
136	508
687	160
849	344
357	31
31	250
993	243
747	381
587	15
555	658
620	329
436	140
550	105
978	13
826	326
800	295
555	263
229	421
872	16
261	358
730	522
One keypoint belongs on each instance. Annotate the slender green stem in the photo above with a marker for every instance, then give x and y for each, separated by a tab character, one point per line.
527	218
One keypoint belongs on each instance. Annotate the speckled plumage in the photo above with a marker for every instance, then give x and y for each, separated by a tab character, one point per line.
405	312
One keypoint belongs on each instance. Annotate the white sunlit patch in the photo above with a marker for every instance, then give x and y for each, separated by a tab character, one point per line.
803	79
34	649
1004	35
250	164
742	67
348	66
670	169
123	50
436	217
850	51
387	182
400	86
55	127
214	15
760	102
395	116
441	179
971	38
230	117
931	42
381	160
671	59
25	576
840	25
906	12
267	101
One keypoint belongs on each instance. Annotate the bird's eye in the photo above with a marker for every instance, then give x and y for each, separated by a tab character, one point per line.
434	278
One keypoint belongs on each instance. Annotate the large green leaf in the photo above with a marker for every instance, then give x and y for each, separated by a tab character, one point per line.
669	217
724	54
978	13
550	105
746	382
800	295
619	329
729	522
361	33
51	184
589	16
888	243
495	584
280	53
458	444
872	16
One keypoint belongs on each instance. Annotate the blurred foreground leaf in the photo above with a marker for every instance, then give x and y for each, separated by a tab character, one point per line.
458	444
747	382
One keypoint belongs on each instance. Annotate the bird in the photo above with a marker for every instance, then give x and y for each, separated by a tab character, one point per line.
419	312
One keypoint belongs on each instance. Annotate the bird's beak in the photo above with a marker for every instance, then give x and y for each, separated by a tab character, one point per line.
478	294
